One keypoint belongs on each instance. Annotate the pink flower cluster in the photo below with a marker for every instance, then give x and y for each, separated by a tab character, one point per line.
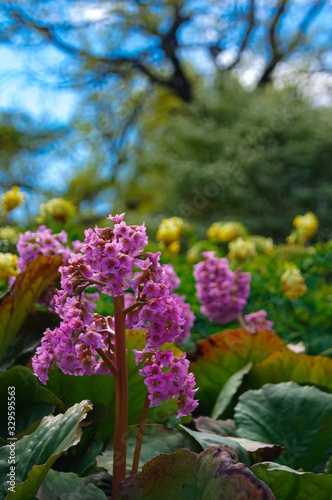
42	242
164	316
167	377
113	261
222	293
73	345
257	321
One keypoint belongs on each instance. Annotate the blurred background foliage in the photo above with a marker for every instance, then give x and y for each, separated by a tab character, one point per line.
256	157
207	110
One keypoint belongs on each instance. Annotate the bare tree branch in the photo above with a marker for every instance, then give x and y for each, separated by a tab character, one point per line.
177	81
304	25
245	40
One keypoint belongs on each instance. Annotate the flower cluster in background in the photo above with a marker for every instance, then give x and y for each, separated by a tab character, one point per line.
306	226
11	199
241	249
41	242
257	321
222	293
293	283
58	209
170	233
8	266
224	232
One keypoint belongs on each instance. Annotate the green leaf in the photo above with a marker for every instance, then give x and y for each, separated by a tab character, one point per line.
27	338
36	453
221	427
88	459
69	486
157	439
32	400
16	304
328	466
212	474
298	418
286	365
229	390
223	354
288	483
257	451
206	439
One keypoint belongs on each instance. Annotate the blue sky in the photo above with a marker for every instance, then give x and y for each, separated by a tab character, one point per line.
20	91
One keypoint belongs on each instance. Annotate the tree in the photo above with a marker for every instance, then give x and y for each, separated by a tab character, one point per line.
259	157
103	40
113	55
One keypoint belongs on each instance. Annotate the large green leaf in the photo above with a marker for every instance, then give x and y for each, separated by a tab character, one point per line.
221	427
16	304
32	400
36	453
223	354
298	418
69	486
229	390
257	451
27	338
287	483
157	439
206	439
212	474
286	365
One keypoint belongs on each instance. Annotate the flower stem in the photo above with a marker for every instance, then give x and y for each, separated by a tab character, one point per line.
108	361
121	396
241	322
140	433
134	306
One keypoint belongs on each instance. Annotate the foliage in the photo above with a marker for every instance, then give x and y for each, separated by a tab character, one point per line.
114	62
211	474
264	414
235	155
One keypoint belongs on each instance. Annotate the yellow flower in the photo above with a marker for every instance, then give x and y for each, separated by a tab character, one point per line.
12	199
225	232
292	283
263	245
306	226
8	266
8	233
174	248
171	230
241	249
58	208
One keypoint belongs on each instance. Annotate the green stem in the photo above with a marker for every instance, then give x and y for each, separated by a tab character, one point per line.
121	394
140	433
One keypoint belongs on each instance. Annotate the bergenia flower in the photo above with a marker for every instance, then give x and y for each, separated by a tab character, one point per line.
257	321
222	293
114	262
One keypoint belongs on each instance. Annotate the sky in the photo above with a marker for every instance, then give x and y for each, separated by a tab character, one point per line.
19	90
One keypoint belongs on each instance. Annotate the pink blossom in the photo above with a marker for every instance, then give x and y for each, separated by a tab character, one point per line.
257	321
222	293
113	262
